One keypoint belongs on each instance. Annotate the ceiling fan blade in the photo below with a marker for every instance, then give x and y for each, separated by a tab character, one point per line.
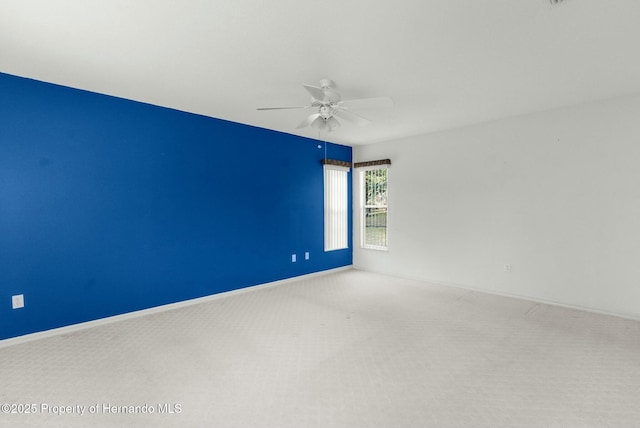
308	121
280	108
331	95
377	102
316	93
351	117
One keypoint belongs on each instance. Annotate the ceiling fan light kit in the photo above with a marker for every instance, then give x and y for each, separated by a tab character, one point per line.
329	105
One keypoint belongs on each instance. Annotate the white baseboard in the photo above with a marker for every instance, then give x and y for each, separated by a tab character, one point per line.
634	317
168	307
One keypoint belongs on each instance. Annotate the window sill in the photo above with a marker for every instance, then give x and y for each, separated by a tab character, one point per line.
372	247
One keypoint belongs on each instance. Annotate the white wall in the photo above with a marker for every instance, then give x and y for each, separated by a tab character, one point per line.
554	194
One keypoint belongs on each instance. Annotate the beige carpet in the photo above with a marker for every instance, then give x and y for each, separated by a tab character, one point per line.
350	349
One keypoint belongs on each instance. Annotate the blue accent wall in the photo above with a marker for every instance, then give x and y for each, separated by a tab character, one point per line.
108	206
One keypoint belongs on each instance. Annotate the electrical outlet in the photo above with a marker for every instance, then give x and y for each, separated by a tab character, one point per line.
508	268
294	258
306	255
17	301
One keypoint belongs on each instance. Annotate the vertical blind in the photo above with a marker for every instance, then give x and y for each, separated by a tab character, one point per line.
336	224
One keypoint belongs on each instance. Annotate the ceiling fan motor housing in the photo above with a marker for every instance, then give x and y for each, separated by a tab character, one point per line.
326	111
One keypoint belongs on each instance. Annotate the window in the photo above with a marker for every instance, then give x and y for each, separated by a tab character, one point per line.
336	220
374	207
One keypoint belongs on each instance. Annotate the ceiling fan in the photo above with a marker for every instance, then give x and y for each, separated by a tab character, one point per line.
328	104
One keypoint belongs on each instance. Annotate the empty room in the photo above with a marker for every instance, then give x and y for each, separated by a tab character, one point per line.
320	214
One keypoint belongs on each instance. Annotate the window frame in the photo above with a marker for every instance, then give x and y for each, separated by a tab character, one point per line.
363	208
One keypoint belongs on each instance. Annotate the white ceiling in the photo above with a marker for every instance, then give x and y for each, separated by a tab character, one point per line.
445	63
